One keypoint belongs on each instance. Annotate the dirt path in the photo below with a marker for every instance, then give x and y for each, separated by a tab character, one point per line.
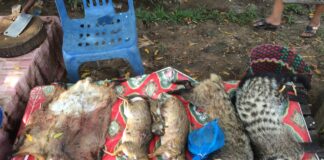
205	48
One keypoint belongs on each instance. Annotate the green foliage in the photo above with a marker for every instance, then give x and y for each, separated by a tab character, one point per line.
294	8
247	16
159	14
290	19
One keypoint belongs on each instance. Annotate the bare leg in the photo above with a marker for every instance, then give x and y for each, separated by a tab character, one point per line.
314	23
275	17
274	20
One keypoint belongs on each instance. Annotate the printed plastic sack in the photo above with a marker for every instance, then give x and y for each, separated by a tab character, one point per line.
206	140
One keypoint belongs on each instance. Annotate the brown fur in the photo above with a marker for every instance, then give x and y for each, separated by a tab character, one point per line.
176	129
137	134
158	121
211	96
81	135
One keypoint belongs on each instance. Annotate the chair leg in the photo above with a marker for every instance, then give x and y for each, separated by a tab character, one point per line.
136	63
72	68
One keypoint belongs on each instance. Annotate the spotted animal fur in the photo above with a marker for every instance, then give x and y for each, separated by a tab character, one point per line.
258	102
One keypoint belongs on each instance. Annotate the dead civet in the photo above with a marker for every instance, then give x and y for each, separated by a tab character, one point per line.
73	124
211	97
258	102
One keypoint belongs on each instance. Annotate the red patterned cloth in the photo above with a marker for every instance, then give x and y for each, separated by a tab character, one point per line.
41	66
153	85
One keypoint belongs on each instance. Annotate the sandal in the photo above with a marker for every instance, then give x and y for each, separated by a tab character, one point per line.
309	32
263	24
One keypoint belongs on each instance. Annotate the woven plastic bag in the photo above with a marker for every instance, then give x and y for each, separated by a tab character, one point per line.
206	140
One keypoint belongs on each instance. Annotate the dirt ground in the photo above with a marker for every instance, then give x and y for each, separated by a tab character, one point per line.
222	48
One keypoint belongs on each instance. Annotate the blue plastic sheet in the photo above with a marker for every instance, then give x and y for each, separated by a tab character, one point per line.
206	140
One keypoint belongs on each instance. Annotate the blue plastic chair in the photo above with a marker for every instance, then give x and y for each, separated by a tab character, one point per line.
102	34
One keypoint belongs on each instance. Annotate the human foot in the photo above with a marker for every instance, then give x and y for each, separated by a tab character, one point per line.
310	31
263	24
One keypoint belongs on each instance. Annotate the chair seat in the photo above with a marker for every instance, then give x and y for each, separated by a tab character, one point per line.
90	55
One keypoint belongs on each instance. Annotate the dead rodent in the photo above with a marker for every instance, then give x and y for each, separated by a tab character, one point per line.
176	128
71	126
137	134
210	95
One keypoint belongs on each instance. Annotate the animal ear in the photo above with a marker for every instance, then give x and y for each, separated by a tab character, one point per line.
312	147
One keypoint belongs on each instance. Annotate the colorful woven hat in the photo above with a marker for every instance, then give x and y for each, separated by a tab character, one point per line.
279	60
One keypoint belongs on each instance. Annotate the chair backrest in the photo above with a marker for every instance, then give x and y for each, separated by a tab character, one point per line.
102	28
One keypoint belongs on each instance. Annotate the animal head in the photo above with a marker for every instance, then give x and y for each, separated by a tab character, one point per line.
206	91
158	121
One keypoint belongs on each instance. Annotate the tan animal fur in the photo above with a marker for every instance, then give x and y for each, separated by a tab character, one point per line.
176	129
137	134
211	96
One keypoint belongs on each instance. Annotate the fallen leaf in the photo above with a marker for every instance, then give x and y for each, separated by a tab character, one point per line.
29	137
156	52
57	135
147	51
158	58
228	33
192	44
144	42
85	74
